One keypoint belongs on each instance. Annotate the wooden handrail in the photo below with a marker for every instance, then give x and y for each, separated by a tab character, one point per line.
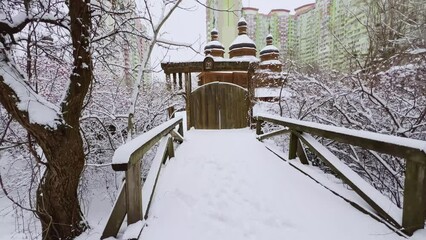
393	145
131	152
414	151
127	158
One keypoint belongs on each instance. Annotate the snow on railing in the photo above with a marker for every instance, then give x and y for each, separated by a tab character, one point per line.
413	214
127	158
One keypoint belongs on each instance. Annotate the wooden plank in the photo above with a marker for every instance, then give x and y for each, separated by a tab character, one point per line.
176	67
176	136
134	194
273	133
414	203
159	159
259	123
301	153
292	147
366	140
379	202
116	217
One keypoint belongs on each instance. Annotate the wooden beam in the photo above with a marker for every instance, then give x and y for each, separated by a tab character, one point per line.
292	147
273	133
159	159
301	153
170	148
176	136
363	189
176	67
117	215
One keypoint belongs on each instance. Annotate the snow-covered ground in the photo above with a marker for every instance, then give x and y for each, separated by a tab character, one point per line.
227	185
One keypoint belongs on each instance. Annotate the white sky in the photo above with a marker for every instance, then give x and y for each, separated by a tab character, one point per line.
189	26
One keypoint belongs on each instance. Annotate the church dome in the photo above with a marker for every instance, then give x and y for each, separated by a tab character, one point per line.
242	45
214	47
269	48
269	56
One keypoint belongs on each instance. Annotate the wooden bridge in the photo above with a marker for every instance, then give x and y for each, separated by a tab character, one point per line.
158	211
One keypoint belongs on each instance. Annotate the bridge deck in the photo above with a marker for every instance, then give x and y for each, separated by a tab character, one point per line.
227	185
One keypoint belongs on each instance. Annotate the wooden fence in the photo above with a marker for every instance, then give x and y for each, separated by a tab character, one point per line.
127	158
413	214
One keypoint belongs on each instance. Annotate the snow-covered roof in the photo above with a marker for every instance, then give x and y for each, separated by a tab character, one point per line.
269	49
242	21
242	41
213	45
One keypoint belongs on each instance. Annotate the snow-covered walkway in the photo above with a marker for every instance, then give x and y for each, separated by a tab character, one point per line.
227	185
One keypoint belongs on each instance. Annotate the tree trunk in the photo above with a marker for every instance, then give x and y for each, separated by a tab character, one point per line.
57	200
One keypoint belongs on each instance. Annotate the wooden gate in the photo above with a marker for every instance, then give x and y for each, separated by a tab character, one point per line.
219	105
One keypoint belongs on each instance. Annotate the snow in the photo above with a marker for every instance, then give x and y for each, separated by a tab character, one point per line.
271	62
329	182
269	48
382	201
244	59
123	153
39	110
418	51
271	92
399	141
226	185
243	38
214	43
133	230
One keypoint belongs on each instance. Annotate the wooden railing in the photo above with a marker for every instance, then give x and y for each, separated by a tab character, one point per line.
127	158
413	214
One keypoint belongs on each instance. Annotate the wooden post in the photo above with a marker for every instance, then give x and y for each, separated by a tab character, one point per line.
170	148
259	127
292	151
413	215
168	82
174	81
171	112
180	131
188	90
180	80
134	193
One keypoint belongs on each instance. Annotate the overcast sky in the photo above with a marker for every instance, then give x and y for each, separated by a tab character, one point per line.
189	26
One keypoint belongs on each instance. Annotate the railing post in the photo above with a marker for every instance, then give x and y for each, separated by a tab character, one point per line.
301	153
292	151
413	215
259	126
134	193
180	131
170	148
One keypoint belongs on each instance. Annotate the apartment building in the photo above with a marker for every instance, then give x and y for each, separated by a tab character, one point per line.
223	15
329	34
